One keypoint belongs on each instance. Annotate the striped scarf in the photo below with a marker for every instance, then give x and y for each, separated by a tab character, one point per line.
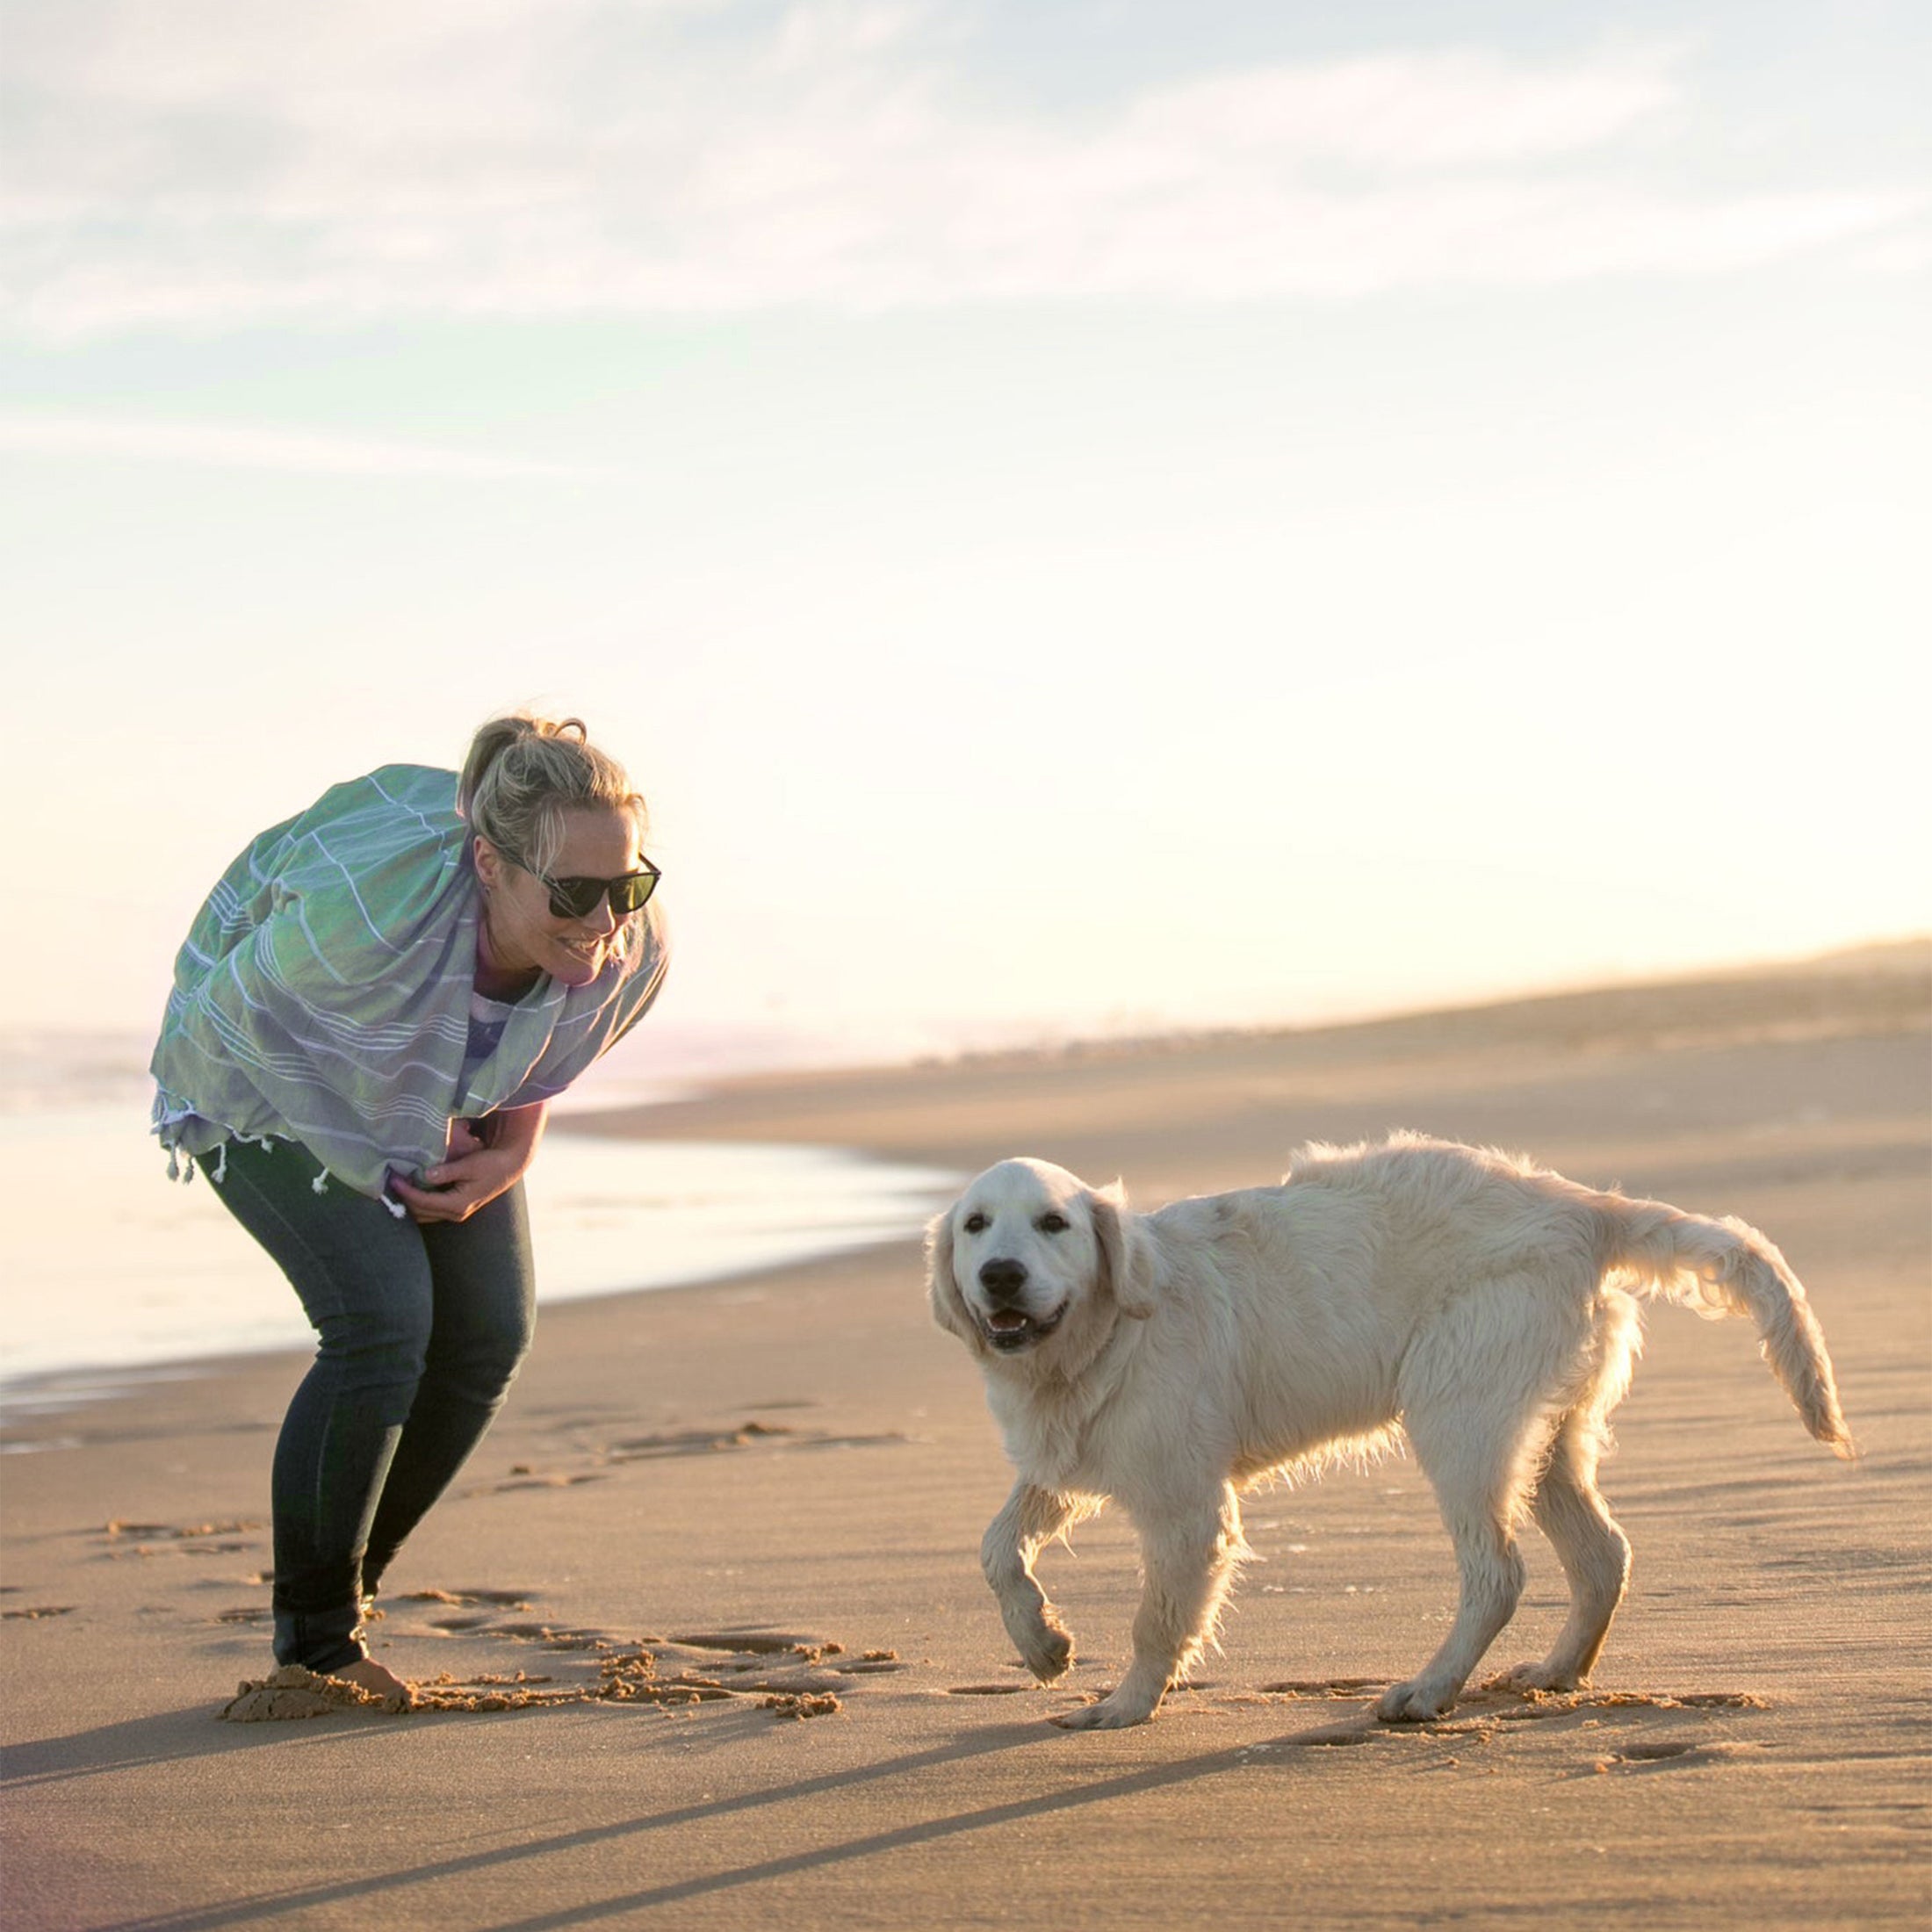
323	992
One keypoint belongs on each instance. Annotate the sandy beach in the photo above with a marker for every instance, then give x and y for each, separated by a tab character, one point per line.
706	1643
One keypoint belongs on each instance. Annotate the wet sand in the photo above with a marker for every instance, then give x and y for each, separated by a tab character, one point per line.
701	1639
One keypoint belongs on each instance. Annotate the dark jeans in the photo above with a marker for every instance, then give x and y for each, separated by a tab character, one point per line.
421	1328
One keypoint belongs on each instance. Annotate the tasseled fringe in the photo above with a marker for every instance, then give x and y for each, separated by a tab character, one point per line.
182	1165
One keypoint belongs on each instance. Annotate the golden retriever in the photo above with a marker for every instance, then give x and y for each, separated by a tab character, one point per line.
1479	1305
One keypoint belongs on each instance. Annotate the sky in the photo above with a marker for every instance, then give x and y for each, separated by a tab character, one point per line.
1081	515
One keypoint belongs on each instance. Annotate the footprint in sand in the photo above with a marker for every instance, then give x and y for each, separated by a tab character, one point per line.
687	1441
694	1442
761	1643
1500	1710
1677	1753
746	1435
1322	1687
472	1608
177	1539
509	1599
697	1442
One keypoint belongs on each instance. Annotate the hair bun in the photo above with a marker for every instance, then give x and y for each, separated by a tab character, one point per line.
523	772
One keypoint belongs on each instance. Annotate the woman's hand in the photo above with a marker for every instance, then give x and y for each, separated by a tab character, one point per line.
476	1171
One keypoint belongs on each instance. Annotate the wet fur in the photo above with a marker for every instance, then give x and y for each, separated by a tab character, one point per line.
1482	1305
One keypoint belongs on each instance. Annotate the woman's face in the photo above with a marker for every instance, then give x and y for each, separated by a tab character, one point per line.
521	930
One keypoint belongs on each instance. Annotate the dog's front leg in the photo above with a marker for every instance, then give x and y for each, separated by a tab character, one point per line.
1031	1518
1189	1559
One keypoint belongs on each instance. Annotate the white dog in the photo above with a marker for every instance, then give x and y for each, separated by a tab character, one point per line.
1478	1304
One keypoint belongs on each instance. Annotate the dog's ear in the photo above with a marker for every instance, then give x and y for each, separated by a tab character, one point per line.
942	1295
1127	1257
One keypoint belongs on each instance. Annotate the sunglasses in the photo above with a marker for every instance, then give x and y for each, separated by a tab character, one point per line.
578	898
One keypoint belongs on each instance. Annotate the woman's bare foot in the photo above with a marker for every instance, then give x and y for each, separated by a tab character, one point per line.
371	1675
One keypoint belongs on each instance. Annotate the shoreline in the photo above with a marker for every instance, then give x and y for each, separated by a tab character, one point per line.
773	1487
171	1281
36	1395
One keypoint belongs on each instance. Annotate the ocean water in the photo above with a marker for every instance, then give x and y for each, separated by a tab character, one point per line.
106	1267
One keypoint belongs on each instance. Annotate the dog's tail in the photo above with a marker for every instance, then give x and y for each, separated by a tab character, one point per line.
1727	1267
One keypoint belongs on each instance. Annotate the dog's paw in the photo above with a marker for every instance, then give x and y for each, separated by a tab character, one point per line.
1415	1702
1537	1676
1111	1713
1044	1643
1048	1651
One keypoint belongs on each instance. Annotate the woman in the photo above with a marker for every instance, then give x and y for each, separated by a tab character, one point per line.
370	1014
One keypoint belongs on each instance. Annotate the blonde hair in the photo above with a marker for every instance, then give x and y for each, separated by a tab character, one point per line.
524	773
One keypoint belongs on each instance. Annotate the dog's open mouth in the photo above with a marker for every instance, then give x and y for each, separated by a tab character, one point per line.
1011	1330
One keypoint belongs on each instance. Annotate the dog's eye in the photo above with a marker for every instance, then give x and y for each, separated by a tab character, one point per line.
1053	1224
975	1223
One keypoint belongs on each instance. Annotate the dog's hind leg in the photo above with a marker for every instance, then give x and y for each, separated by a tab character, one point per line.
1032	1516
1475	1415
1570	1510
1594	1554
1491	1570
1188	1560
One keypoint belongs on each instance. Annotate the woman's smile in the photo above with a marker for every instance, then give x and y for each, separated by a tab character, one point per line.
520	933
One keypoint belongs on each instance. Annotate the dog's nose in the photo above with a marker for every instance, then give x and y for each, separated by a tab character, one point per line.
1003	1278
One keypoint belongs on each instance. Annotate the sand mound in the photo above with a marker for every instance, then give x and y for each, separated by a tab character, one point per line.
294	1692
803	1704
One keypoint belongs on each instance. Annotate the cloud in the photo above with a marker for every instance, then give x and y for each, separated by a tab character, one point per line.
223	447
214	162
